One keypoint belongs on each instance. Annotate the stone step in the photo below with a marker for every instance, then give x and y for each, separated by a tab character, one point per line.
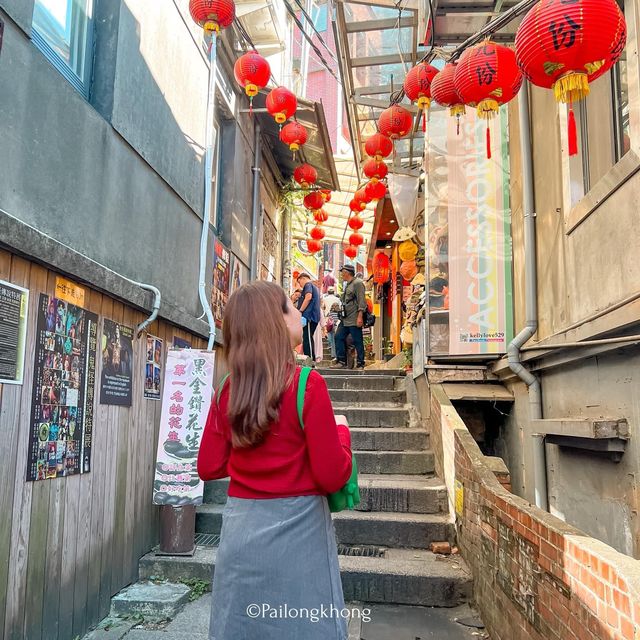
397	462
152	601
359	397
373	416
402	576
326	371
401	494
363	382
395	439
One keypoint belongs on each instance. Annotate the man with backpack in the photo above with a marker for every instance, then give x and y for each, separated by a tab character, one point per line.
354	309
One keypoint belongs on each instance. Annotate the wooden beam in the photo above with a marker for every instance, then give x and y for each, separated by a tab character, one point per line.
583	428
379	25
487	392
376	61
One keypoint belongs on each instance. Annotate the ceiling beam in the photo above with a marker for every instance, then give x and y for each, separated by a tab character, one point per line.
379	25
381	104
375	61
406	5
442	40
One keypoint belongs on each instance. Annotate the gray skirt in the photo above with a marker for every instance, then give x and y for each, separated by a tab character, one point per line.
276	575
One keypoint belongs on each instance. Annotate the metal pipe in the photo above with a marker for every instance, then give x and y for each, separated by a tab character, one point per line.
286	248
157	301
210	142
585	343
255	217
531	302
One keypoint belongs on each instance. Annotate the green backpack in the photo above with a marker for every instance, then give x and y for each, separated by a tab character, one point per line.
349	496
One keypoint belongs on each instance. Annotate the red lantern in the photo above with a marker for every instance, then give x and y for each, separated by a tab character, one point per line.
320	216
252	72
356	239
294	135
395	122
381	268
355	223
417	87
376	190
305	175
375	170
566	45
487	76
314	200
326	193
361	196
357	206
317	233
378	146
212	15
443	91
351	251
281	104
313	246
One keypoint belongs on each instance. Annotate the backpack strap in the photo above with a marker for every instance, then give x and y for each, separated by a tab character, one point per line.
220	389
302	388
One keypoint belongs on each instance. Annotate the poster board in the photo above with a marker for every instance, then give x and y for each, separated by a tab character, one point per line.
14	305
117	364
239	274
221	281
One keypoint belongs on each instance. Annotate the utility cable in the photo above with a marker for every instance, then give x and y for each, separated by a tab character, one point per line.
310	21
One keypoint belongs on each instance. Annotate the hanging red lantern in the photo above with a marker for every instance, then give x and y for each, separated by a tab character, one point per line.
313	246
376	190
294	135
320	215
375	170
361	196
305	175
317	233
351	251
212	15
252	72
314	200
355	222
356	239
381	268
395	122
486	77
357	206
564	46
281	104
326	194
378	146
444	92
417	87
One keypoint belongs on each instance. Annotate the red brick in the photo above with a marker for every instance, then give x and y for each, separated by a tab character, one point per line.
621	602
626	628
613	619
549	551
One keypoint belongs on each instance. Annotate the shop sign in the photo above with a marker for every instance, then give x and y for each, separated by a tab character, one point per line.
14	303
69	291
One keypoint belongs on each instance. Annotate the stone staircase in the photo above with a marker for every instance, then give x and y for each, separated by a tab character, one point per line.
383	545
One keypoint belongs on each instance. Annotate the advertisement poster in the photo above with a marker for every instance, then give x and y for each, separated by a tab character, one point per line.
117	364
239	274
14	303
188	389
63	390
153	368
221	281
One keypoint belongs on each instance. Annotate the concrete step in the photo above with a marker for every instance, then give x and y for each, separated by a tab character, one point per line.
402	494
397	462
363	382
402	576
359	397
152	601
326	371
395	439
373	416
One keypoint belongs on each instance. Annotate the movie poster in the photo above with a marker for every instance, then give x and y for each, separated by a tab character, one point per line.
153	368
117	364
63	390
239	274
14	302
221	281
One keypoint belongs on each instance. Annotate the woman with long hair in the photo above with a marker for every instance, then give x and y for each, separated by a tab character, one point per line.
277	562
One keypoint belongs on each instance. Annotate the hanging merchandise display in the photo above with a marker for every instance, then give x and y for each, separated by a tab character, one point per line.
378	146
314	200
355	222
294	135
320	215
351	252
486	77
404	197
395	122
375	190
409	270
305	175
356	239
213	15
444	92
252	72
417	87
281	104
407	250
317	233
381	268
375	170
564	45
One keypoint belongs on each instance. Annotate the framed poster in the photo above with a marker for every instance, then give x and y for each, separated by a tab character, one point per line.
117	364
239	274
221	279
63	390
188	389
153	368
14	304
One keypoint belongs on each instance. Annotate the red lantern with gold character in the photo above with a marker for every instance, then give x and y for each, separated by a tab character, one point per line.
357	206
314	200
320	215
252	72
376	190
356	239
313	246
213	15
375	170
378	146
305	175
317	233
566	44
355	222
281	104
381	268
294	135
351	251
395	122
444	92
417	87
486	77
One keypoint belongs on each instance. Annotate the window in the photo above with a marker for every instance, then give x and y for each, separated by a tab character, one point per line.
319	16
620	99
63	31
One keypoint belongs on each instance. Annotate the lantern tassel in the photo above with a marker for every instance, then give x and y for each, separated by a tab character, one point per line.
457	125
488	141
250	106
424	121
572	132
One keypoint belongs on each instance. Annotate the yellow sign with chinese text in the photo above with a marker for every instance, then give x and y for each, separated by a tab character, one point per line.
69	291
459	498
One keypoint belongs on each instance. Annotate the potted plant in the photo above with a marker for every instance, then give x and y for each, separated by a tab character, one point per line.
387	349
408	358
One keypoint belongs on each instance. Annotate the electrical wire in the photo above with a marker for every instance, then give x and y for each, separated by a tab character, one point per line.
310	21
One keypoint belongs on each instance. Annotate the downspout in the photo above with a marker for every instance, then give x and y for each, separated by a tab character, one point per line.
286	247
208	188
157	300
531	303
255	217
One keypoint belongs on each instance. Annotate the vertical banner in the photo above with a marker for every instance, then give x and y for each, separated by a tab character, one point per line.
153	368
188	389
221	278
63	390
117	364
14	303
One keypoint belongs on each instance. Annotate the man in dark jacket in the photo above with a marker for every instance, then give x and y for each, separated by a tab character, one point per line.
309	306
354	304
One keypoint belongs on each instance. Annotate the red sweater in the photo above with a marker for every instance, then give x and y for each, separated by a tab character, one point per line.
290	461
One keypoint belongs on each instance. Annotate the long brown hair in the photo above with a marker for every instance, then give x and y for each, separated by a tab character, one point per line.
260	358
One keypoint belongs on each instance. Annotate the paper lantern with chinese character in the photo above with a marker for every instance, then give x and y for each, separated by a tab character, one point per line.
351	251
376	190
357	206
212	15
294	135
313	246
314	200
395	122
317	233
417	87
252	72
320	216
355	222
409	270
566	44
375	170
281	104
378	146
305	175
356	239
486	77
407	250
444	92
381	268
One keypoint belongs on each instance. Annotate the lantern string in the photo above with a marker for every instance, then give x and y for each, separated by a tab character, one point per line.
488	141
572	132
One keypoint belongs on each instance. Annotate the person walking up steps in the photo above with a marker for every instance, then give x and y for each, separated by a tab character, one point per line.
309	306
354	305
331	307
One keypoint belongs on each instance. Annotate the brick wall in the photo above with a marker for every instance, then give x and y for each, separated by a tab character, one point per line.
535	577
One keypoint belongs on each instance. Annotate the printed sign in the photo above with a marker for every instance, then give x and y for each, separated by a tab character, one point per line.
63	390
117	364
14	302
153	368
221	277
186	398
69	291
459	498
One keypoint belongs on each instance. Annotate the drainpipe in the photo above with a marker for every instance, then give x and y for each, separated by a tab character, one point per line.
531	302
208	187
157	300
255	217
286	248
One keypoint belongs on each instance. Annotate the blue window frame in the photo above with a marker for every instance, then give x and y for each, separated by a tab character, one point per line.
63	31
